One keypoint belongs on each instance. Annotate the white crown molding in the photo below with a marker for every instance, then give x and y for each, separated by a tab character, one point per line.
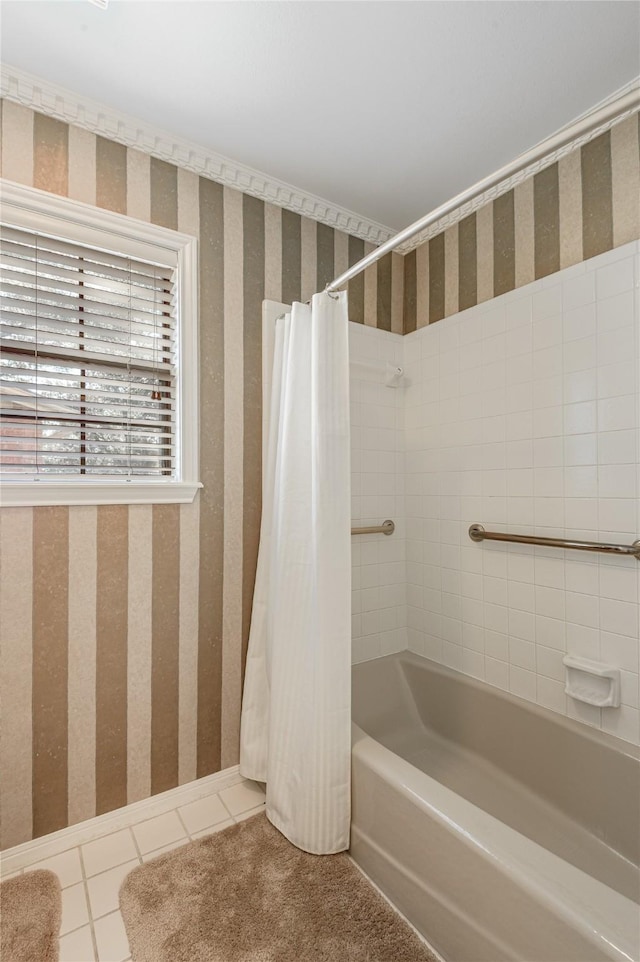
510	182
72	108
48	98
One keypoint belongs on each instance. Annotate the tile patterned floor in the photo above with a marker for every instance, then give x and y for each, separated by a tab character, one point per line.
90	875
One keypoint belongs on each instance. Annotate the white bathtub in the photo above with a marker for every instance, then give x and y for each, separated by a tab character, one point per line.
499	829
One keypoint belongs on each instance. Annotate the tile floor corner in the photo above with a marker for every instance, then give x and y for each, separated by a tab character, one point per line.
92	929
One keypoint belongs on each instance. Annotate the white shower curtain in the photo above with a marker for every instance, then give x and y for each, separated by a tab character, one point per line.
296	710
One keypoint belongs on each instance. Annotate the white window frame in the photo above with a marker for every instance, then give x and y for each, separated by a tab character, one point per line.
31	209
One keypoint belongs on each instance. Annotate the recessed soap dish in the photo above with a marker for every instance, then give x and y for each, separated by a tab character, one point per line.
592	682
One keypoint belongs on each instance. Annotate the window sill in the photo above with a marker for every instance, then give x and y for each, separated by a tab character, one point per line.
41	493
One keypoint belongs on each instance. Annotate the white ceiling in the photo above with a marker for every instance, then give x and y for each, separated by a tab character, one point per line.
385	108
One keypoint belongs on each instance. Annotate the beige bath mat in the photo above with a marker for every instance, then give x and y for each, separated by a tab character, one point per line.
247	895
30	910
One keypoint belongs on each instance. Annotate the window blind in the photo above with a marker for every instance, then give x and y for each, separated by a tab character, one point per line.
88	372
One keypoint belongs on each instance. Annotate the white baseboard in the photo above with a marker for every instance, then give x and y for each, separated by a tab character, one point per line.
28	853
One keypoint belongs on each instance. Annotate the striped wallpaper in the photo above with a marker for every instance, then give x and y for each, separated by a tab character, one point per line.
583	205
123	629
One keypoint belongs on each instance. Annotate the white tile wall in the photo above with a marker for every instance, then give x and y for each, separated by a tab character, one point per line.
522	414
377	479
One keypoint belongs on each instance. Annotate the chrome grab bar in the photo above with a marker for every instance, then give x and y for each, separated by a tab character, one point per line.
477	533
387	527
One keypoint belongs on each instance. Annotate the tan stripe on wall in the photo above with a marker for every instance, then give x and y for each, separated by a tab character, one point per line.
309	261
625	180
504	261
523	208
82	663
16	665
111	175
382	315
570	200
467	263
291	257
340	253
356	286
138	185
232	609
139	651
273	253
422	285
212	376
188	202
111	657
325	256
436	278
82	165
50	668
50	154
253	294
546	213
325	248
484	242
17	143
451	270
410	292
397	293
165	628
188	668
597	208
164	193
370	291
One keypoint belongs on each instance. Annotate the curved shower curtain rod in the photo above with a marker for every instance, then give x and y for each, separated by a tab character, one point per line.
607	115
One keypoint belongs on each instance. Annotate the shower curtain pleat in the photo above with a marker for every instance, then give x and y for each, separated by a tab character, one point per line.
296	712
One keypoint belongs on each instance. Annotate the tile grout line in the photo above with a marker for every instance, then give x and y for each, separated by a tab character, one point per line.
91	916
231	815
135	844
86	895
182	822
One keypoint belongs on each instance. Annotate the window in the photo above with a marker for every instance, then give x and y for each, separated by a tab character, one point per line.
98	356
88	367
